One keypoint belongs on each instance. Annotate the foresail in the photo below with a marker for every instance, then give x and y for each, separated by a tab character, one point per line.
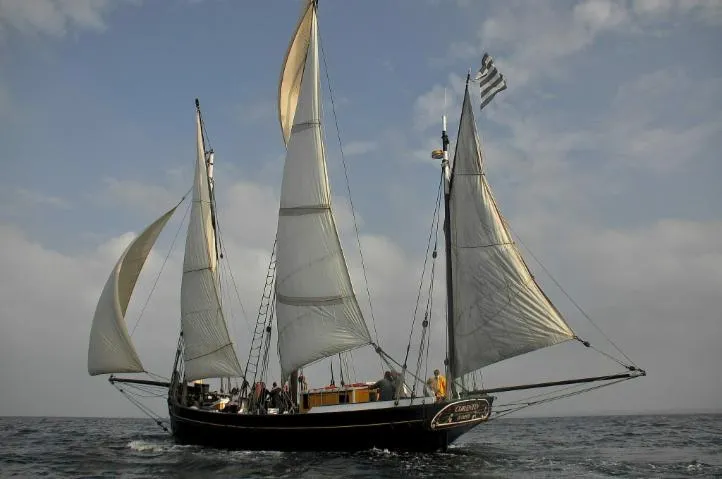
110	349
207	347
289	85
316	309
499	310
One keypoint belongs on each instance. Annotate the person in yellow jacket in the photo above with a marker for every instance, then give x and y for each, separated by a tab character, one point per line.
440	383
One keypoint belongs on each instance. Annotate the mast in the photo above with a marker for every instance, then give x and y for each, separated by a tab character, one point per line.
208	350
317	312
209	158
450	349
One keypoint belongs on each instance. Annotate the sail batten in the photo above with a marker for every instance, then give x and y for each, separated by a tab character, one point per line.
110	349
207	348
316	308
499	309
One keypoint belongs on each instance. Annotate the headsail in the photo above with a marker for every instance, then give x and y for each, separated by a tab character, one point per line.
316	309
289	87
499	310
208	350
110	349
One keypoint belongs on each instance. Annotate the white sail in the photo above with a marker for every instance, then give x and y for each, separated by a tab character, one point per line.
499	310
316	309
207	347
289	87
110	349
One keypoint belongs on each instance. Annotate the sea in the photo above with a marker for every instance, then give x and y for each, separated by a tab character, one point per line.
660	446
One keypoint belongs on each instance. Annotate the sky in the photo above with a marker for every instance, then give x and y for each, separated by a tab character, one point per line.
603	154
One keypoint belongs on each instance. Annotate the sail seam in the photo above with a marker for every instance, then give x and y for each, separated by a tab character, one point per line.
198	269
508	243
210	352
303	210
320	300
198	311
297	127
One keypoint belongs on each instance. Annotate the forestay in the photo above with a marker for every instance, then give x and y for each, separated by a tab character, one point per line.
110	349
499	309
208	350
316	309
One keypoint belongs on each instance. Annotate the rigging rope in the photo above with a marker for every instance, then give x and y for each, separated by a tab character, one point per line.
426	334
576	305
525	405
157	376
227	265
348	188
434	226
165	260
143	408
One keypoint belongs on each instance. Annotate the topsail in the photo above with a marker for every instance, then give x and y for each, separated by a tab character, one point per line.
289	87
316	309
499	310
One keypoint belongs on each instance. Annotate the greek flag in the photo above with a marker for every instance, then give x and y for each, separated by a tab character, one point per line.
490	80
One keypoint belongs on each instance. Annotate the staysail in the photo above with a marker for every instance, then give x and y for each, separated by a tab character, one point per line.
316	308
499	309
110	349
207	348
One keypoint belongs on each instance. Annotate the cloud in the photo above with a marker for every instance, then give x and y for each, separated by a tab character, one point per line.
565	173
5	101
652	126
528	39
257	112
556	170
532	41
429	106
39	199
705	11
359	147
135	194
440	100
48	301
54	17
19	200
54	327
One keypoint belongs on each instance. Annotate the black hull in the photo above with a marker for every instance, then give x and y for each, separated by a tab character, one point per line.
413	428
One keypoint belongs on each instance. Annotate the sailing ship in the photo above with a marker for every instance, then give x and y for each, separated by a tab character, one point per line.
495	308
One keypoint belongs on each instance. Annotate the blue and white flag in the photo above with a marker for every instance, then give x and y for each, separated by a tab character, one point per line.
490	80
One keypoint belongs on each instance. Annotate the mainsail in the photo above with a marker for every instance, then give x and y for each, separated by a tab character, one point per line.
110	349
499	310
316	309
207	347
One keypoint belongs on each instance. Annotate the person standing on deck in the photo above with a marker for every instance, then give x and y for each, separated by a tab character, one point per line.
385	387
440	389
